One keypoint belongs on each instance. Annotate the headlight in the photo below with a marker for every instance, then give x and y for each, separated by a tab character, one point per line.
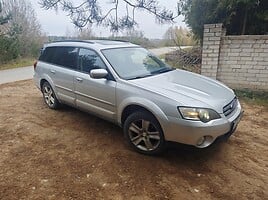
198	114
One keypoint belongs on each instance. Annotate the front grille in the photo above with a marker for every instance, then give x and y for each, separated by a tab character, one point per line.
230	107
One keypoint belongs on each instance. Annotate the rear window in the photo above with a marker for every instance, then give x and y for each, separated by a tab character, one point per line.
63	56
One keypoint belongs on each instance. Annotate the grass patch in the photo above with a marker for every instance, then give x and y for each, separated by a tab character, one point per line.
256	97
20	62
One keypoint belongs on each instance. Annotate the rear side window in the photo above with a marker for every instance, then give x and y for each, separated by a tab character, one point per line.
63	56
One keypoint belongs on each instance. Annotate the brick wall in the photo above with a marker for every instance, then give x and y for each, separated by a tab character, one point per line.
238	61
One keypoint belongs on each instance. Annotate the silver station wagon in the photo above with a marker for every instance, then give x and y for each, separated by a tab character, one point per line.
126	84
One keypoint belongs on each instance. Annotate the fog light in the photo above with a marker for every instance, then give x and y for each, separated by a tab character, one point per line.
201	141
204	141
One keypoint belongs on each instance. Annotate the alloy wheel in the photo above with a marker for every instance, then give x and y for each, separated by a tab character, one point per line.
144	135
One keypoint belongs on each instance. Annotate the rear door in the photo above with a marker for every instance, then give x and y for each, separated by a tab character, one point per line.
61	69
94	95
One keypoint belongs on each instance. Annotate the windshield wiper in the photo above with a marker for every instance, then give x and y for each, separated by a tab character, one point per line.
163	70
142	76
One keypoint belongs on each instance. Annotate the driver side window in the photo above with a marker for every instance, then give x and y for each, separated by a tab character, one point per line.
89	60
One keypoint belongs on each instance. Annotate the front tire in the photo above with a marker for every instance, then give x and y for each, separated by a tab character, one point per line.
49	96
144	133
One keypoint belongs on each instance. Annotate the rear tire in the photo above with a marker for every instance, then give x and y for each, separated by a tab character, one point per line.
144	133
49	96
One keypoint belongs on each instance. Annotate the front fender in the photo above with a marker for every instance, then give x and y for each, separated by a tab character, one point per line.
145	103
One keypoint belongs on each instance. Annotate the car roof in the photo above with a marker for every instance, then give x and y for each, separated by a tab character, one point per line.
93	44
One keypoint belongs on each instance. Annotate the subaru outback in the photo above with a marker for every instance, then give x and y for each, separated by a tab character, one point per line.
126	84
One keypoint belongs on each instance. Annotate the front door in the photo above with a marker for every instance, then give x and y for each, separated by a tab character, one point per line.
94	95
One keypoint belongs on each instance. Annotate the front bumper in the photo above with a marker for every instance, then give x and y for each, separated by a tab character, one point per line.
198	133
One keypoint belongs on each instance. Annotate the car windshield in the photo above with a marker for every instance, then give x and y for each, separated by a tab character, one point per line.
133	63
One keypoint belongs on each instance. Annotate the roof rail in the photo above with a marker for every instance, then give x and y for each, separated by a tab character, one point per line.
72	40
89	41
118	40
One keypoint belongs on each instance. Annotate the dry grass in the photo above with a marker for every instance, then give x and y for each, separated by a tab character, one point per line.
20	62
253	97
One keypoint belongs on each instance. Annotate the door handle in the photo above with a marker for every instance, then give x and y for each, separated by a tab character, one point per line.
79	79
52	71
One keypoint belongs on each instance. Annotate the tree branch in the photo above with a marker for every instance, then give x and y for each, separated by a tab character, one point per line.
89	12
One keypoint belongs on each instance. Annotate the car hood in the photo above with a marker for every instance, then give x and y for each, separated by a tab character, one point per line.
188	89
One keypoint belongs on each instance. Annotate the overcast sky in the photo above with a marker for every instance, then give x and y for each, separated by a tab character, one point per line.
58	23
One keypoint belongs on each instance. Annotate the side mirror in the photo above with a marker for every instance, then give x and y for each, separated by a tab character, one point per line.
98	73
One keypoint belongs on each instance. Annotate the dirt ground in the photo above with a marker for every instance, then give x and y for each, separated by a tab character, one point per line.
68	154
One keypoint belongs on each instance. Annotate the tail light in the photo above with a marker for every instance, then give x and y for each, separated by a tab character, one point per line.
35	64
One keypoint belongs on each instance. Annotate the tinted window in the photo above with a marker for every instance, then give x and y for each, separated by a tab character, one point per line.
89	60
63	56
47	54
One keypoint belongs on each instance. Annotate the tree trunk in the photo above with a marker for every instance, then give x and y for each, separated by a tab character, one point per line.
245	21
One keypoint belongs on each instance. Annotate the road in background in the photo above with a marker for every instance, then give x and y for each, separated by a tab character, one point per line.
164	50
24	73
17	74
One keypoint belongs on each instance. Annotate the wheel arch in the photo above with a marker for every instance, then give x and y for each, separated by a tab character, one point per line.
42	81
131	109
139	104
144	145
48	79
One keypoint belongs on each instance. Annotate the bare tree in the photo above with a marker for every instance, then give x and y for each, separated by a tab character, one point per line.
89	12
85	34
24	25
5	17
179	36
